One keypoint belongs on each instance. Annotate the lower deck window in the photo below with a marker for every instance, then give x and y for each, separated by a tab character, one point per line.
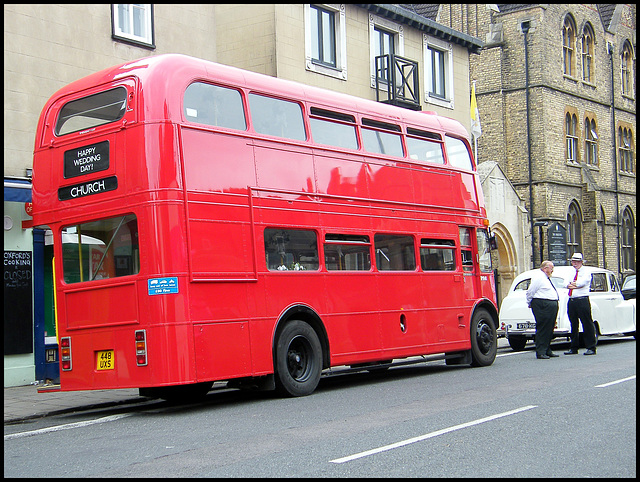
291	250
347	253
107	248
437	255
394	252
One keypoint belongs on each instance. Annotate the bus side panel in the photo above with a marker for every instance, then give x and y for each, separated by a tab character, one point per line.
398	302
219	169
353	327
390	181
222	350
221	242
284	168
215	162
447	318
98	306
432	186
467	191
345	176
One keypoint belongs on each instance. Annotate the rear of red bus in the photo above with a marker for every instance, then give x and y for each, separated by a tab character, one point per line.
106	182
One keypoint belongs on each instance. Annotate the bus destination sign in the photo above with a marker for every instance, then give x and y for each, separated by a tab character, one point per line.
86	159
87	188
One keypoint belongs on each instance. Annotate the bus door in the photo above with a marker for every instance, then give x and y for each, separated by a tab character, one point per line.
469	265
476	264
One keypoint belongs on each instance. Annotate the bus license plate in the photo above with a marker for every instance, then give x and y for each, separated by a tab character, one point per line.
526	326
105	360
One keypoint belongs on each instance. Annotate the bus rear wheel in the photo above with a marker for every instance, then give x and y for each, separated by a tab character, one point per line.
484	341
298	360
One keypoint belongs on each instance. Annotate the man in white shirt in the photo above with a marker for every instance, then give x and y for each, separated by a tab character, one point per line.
542	298
579	307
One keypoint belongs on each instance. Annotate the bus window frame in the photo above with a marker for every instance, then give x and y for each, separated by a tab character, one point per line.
108	249
195	123
130	114
252	123
366	241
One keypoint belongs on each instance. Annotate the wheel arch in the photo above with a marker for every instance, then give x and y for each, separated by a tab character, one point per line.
491	309
312	318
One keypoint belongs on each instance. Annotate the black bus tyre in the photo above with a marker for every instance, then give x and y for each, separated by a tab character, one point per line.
484	341
517	343
298	360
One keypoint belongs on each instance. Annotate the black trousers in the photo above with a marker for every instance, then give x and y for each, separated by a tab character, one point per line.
545	313
580	308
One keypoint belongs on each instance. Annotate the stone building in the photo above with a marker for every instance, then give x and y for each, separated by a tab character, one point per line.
556	91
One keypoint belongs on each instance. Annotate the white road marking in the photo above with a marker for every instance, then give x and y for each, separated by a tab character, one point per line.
513	353
67	426
429	435
615	382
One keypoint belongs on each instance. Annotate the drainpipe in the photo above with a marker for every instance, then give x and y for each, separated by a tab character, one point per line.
615	159
525	30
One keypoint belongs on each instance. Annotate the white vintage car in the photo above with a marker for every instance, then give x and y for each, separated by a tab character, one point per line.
611	314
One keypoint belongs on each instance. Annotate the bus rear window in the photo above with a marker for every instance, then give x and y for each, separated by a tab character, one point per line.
102	249
91	111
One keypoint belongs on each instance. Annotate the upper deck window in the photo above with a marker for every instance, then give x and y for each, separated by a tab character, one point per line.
91	111
425	148
326	131
214	105
380	142
458	153
276	117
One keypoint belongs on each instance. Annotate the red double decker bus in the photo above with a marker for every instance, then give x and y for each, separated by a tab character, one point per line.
215	224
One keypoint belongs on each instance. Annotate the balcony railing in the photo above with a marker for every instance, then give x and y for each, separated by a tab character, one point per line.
397	81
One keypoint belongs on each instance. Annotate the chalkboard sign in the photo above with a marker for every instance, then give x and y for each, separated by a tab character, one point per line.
557	238
18	313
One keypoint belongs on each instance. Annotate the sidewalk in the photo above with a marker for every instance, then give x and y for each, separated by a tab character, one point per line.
23	403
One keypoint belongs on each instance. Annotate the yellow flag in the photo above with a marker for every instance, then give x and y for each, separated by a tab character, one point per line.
476	129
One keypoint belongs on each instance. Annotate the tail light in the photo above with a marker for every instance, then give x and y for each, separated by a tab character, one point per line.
65	353
141	347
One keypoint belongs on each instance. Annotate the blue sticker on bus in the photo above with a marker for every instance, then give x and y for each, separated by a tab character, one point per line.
162	286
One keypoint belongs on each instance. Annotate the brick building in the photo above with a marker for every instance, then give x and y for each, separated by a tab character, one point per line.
559	117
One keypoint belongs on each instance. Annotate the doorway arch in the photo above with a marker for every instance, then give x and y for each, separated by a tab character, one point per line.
507	266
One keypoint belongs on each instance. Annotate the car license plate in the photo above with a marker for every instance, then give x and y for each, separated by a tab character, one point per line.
525	326
105	360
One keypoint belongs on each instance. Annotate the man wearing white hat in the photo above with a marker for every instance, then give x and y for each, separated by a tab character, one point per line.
579	307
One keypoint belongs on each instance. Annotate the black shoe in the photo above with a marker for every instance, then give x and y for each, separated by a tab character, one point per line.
542	357
590	352
552	355
571	352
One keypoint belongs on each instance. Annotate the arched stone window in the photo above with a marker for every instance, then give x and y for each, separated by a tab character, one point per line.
628	241
569	46
587	54
574	229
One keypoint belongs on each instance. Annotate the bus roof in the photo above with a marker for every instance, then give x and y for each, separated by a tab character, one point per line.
166	76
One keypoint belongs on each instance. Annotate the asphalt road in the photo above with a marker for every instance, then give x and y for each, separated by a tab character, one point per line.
572	416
